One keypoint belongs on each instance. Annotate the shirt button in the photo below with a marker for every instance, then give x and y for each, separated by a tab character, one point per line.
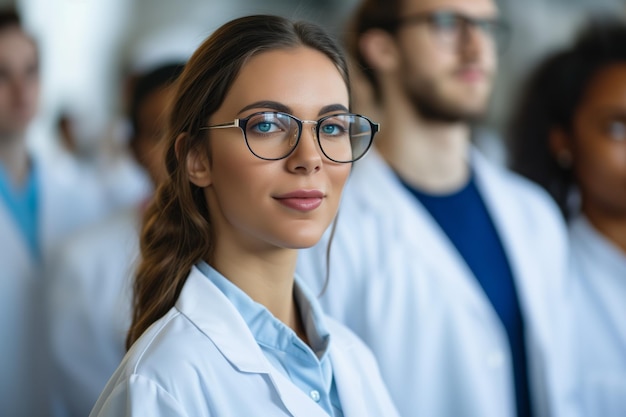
315	395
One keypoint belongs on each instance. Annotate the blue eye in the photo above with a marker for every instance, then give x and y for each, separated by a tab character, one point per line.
330	129
264	127
334	127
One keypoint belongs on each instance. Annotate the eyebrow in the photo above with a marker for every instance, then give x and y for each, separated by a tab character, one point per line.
274	105
610	112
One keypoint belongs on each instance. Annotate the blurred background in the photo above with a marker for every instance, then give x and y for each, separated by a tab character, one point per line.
88	47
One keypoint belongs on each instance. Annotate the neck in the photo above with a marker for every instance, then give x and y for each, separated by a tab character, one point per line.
14	158
268	278
611	227
429	155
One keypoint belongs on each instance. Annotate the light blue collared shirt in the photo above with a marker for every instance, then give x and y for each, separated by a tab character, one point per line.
307	367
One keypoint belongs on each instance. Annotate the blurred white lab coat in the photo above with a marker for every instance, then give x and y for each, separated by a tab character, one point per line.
399	283
66	202
201	359
88	310
599	308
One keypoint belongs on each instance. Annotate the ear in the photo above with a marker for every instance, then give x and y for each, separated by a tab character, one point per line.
197	162
379	50
560	147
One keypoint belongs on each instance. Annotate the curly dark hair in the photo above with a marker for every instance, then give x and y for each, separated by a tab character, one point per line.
551	95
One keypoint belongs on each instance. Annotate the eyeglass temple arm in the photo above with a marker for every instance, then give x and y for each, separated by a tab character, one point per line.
234	123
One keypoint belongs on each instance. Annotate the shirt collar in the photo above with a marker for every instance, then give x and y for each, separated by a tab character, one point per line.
267	329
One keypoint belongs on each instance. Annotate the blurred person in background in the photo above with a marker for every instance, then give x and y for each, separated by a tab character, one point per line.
89	294
568	134
40	203
103	157
448	266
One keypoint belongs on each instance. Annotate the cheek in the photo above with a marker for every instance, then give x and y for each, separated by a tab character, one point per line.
338	175
416	69
600	167
236	179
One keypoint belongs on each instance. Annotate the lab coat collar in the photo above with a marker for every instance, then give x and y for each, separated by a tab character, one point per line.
215	316
418	226
515	236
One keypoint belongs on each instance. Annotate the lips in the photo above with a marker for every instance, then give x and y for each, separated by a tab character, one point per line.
301	200
471	74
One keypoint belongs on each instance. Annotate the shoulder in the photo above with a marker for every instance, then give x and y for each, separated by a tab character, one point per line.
525	197
166	346
151	377
170	353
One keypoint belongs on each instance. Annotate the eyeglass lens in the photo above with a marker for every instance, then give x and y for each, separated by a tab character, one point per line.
274	135
451	28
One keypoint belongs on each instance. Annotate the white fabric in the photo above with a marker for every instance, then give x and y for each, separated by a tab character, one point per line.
88	305
599	307
399	283
66	202
201	359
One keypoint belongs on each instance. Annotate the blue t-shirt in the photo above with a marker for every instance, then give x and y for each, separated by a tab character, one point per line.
23	205
464	218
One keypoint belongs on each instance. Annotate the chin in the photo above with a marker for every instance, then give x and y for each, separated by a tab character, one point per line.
300	240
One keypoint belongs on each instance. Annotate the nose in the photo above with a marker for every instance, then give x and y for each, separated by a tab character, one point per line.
307	156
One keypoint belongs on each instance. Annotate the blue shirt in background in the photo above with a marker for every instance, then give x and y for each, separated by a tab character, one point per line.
307	367
23	205
464	218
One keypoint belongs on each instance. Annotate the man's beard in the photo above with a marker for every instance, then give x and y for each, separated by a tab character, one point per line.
432	106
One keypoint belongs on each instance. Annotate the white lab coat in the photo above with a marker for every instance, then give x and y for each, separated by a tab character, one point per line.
88	313
201	359
599	307
399	283
66	202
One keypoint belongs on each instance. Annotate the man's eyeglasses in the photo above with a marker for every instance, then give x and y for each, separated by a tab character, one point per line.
343	138
451	28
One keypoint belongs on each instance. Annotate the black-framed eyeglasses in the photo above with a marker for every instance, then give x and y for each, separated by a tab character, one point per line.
271	136
450	28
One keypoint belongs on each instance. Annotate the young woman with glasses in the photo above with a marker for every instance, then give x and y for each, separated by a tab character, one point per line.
261	142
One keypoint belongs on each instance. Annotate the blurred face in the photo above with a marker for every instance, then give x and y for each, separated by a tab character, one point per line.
598	143
19	81
447	66
286	203
148	143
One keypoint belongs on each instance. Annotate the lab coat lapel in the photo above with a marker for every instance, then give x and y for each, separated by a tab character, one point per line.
202	302
510	224
14	246
348	388
55	206
536	289
420	227
294	399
